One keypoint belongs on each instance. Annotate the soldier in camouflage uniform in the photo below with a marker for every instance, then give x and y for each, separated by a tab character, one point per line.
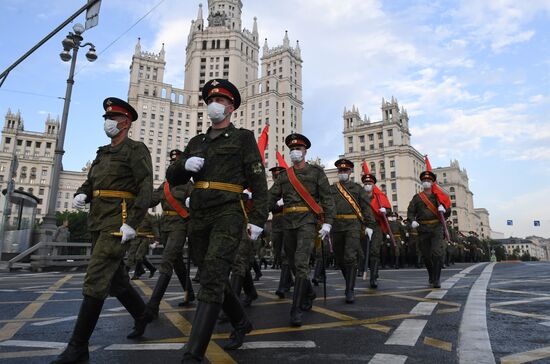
174	230
223	162
398	231
430	230
118	188
352	209
277	229
300	222
376	236
139	246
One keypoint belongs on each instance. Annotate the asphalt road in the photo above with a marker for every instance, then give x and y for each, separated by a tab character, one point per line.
484	313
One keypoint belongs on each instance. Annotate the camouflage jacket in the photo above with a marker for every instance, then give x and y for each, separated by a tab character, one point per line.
180	194
418	211
124	167
314	179
277	223
231	157
398	230
149	226
342	207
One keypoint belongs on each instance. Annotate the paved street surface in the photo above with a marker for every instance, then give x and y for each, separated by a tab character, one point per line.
484	313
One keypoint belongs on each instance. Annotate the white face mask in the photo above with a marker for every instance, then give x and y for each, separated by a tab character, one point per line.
216	112
392	218
426	185
110	128
343	177
368	188
296	156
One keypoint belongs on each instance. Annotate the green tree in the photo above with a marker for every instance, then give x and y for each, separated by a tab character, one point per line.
78	225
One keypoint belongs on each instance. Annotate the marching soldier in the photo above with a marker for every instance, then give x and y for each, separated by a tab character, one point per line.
376	238
306	197
223	161
139	246
352	211
118	188
423	212
398	232
175	218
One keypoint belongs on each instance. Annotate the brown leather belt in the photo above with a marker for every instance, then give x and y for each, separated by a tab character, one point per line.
429	222
170	213
113	194
277	214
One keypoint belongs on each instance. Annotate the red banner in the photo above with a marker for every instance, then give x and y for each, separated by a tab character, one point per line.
441	196
380	200
281	160
262	142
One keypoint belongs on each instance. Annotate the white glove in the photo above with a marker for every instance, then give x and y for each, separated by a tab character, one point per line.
128	233
154	245
194	164
414	224
280	202
248	193
368	232
253	231
441	208
325	230
407	235
79	201
187	202
382	210
387	236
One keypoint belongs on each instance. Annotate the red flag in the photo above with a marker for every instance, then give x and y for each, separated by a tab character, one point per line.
441	196
262	142
281	160
365	168
380	200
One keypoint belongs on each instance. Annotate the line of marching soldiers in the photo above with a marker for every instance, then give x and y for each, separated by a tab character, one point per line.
222	212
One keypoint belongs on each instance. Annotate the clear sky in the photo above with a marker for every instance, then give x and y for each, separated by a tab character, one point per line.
473	76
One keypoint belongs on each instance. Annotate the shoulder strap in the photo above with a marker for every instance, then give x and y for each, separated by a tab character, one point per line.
172	201
350	199
303	192
429	204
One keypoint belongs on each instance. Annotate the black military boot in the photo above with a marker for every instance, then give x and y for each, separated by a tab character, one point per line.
149	266
374	274
351	274
317	271
197	277
236	286
77	349
307	300
250	293
134	304
201	331
283	281
396	266
186	284
257	270
158	293
296	310
138	271
437	264
235	312
429	268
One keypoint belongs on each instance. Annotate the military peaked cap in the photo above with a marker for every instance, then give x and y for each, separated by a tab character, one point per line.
223	88
368	178
343	164
428	174
296	140
114	106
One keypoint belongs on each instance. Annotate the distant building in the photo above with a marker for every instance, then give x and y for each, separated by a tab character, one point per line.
521	246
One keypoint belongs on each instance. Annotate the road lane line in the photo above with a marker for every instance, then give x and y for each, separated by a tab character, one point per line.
527	356
440	344
145	347
519	302
388	359
34	344
407	333
277	344
521	314
424	308
439	294
10	329
474	345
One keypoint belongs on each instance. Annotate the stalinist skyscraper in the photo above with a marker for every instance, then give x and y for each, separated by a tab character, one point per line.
217	47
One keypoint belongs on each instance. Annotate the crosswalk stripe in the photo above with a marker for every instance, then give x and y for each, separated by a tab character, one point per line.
388	359
424	308
277	344
407	333
145	347
34	344
439	294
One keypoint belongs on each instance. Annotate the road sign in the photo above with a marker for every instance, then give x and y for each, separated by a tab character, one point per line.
92	14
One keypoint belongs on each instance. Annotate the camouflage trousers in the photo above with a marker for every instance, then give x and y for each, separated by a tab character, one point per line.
431	243
137	251
214	236
172	255
245	253
347	247
106	273
375	245
299	244
278	247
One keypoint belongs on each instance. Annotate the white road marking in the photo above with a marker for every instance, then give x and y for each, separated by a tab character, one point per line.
68	318
53	292
407	333
277	344
388	359
546	323
474	345
8	290
176	346
34	344
439	294
424	308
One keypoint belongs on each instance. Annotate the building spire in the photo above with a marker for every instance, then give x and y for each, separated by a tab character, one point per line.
138	48
199	13
255	27
286	41
265	48
162	52
298	50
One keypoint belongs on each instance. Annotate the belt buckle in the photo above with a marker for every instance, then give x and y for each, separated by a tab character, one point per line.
206	185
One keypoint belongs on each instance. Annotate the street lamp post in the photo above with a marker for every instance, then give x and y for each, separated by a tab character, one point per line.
71	42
